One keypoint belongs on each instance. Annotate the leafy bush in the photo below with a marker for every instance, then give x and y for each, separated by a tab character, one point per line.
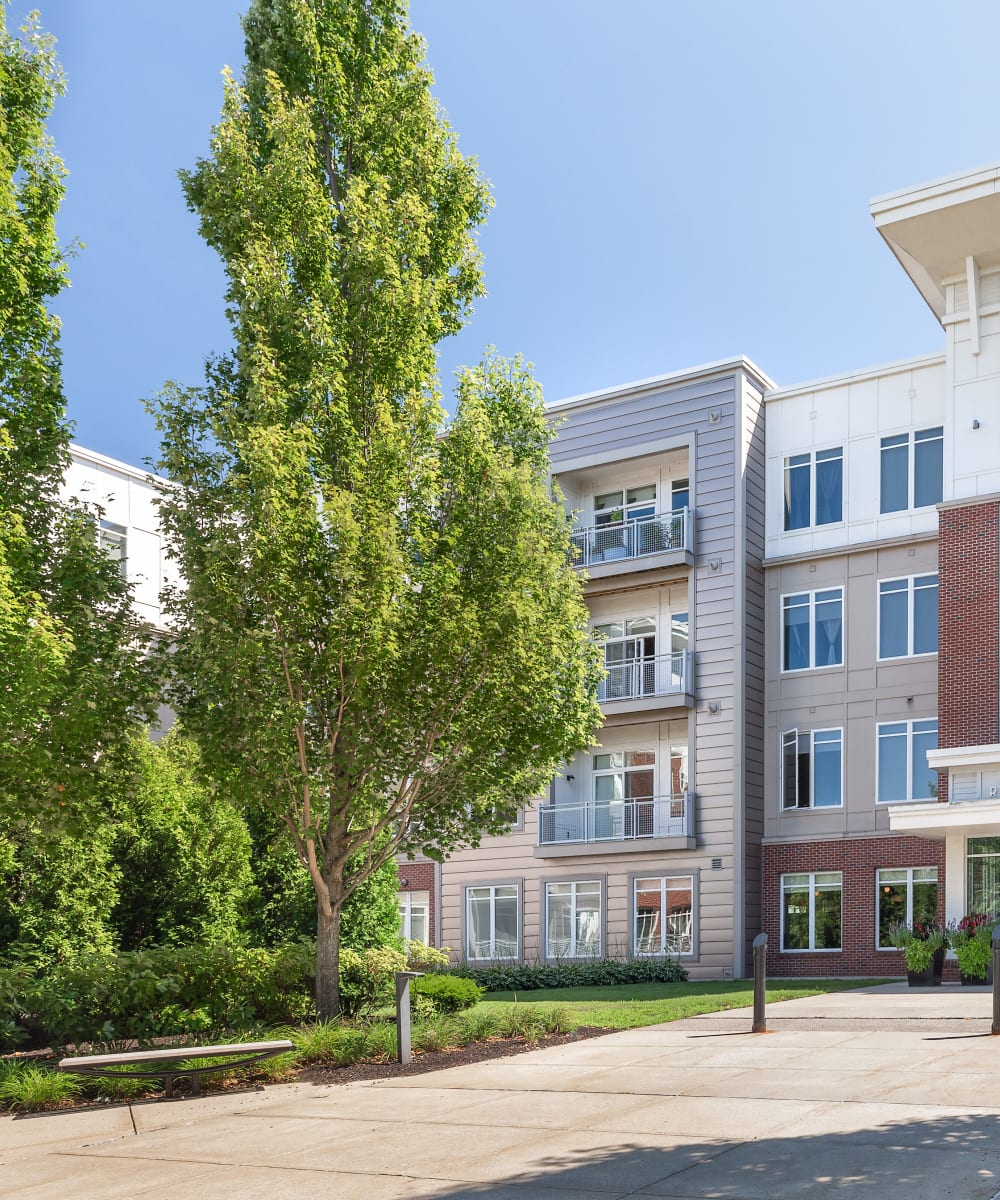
449	993
329	1042
165	992
367	978
522	977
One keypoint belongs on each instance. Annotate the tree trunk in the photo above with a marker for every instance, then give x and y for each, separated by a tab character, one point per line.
327	962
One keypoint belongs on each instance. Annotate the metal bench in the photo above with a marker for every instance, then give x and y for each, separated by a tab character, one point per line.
168	1064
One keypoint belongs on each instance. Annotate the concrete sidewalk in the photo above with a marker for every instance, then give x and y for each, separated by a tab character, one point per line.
887	1092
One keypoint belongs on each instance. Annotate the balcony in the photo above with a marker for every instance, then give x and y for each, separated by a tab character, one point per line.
666	536
625	822
659	675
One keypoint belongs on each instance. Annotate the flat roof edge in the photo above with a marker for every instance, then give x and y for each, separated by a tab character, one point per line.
827	381
704	370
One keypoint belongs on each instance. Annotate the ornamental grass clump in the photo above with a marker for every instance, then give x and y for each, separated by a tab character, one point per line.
919	942
972	941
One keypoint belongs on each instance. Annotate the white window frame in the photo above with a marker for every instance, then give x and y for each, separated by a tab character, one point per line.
113	540
811	605
810	466
408	901
880	883
909	797
492	888
811	734
911	593
910	443
574	951
691	933
816	879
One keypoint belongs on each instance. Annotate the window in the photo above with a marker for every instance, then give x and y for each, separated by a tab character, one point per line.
810	911
814	488
911	480
573	919
493	922
903	773
113	541
908	616
680	495
414	916
812	630
983	874
624	790
663	915
905	895
812	768
629	658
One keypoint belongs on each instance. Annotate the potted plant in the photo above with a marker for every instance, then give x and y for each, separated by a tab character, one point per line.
923	946
972	941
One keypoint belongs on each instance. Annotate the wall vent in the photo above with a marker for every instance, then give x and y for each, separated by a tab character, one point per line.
716	864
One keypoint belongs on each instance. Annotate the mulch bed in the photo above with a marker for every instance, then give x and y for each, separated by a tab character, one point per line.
438	1060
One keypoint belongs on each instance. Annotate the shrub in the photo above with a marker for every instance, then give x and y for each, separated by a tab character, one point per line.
367	978
449	993
522	977
165	992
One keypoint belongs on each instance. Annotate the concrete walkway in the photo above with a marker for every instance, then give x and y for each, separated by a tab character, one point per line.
886	1092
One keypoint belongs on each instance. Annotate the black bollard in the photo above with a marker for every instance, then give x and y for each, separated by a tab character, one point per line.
759	983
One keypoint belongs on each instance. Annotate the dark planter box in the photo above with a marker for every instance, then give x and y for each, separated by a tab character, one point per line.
932	976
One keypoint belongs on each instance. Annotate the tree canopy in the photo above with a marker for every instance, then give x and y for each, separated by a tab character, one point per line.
381	639
73	681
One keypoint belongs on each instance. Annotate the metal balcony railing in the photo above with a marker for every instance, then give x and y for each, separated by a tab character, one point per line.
615	820
632	539
658	675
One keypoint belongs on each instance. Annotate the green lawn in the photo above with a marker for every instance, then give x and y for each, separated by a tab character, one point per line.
630	1005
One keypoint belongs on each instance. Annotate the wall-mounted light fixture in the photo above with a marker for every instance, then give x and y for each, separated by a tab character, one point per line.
715	416
975	424
713	706
570	778
714	565
404	882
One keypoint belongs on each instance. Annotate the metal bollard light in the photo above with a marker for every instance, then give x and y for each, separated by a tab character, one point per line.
403	1015
995	1027
759	983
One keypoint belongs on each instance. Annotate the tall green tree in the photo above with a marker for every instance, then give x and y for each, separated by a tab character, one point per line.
381	639
72	678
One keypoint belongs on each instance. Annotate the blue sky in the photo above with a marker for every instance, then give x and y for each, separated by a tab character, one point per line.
674	183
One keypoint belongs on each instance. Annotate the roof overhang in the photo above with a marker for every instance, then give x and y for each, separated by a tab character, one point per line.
964	758
936	820
934	228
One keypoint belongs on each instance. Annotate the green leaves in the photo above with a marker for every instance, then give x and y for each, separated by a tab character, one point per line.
381	640
73	683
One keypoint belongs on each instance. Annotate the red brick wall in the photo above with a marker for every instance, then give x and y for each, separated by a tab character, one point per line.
857	859
969	626
420	878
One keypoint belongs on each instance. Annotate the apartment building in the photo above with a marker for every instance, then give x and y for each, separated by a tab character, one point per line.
881	755
649	843
797	591
802	637
128	527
